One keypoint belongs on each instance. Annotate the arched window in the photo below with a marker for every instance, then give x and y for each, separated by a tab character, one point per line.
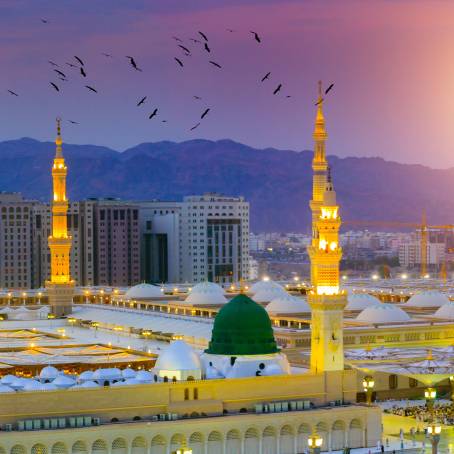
196	393
393	381
186	394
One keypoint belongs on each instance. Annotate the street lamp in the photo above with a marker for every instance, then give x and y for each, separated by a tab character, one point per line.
430	394
315	442
368	386
434	431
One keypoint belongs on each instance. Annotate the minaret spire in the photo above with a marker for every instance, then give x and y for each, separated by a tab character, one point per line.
58	140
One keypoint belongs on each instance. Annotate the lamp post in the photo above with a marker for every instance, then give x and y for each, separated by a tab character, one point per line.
434	432
368	386
430	394
183	450
314	442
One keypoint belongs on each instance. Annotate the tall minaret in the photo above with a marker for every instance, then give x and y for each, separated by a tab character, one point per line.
326	299
60	286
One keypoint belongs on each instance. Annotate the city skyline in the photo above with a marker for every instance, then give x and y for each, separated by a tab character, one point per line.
388	60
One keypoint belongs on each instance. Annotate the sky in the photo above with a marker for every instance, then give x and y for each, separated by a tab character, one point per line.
391	63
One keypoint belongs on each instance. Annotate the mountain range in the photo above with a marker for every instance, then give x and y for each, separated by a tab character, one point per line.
277	183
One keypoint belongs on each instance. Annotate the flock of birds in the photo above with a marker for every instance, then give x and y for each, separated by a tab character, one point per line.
78	65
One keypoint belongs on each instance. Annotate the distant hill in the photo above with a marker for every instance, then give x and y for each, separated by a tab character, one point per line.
276	182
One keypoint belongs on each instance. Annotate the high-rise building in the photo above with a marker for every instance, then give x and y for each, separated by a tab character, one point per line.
326	299
16	241
60	286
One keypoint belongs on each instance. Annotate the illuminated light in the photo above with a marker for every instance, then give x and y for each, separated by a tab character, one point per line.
40	294
404	276
266	278
32	345
109	344
434	430
101	291
314	441
327	290
116	291
175	290
296	278
344	277
333	245
322	244
427	276
269	249
375	277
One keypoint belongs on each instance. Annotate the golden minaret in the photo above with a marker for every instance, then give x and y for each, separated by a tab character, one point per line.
60	286
326	299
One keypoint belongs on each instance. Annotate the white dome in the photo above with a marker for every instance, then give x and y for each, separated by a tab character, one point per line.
6	389
382	313
63	381
268	294
446	311
178	356
143	291
287	304
111	373
263	285
428	298
32	385
206	298
359	301
7	379
48	373
207	287
48	387
88	384
85	376
18	383
132	381
128	373
144	376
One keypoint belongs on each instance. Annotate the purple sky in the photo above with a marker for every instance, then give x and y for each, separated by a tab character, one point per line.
391	61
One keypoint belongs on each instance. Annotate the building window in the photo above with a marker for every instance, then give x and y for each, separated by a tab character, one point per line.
393	381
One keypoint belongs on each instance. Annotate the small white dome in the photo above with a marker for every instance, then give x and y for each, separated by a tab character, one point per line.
128	373
383	313
263	285
143	291
269	294
6	389
85	376
178	356
207	287
63	381
428	298
359	301
110	373
446	311
32	385
48	373
287	304
48	387
88	384
132	381
144	376
7	379
18	383
207	298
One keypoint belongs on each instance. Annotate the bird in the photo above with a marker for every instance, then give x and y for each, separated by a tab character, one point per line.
196	97
13	93
278	89
329	88
319	101
79	60
184	48
230	30
215	64
52	63
62	79
288	96
207	48
71	65
195	126
256	36
133	63
60	72
141	101
177	39
164	121
266	76
204	114
55	86
106	55
179	61
73	122
91	88
194	40
153	114
44	21
83	72
203	36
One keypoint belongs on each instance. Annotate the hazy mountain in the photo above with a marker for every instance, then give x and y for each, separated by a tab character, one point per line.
276	182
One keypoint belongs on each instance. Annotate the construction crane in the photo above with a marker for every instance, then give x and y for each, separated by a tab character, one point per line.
423	229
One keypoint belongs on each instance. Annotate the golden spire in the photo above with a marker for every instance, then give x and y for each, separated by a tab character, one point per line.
58	140
319	129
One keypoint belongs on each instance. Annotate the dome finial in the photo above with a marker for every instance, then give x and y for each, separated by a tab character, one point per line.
58	140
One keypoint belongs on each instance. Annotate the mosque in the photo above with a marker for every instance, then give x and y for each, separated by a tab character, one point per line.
222	384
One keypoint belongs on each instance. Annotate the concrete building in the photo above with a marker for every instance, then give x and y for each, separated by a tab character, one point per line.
410	254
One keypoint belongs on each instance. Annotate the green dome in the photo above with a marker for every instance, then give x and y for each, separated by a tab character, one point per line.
242	327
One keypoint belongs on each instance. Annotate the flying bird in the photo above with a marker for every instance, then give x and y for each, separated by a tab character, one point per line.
44	21
266	76
91	88
194	40
204	114
79	60
73	122
179	61
13	93
83	72
288	96
230	30
60	72
62	79
71	65
319	101
153	114
207	48
195	126
184	48
164	121
55	86
329	88
52	63
141	101
203	36
256	36
106	55
177	39
196	97
215	64
278	89
133	63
